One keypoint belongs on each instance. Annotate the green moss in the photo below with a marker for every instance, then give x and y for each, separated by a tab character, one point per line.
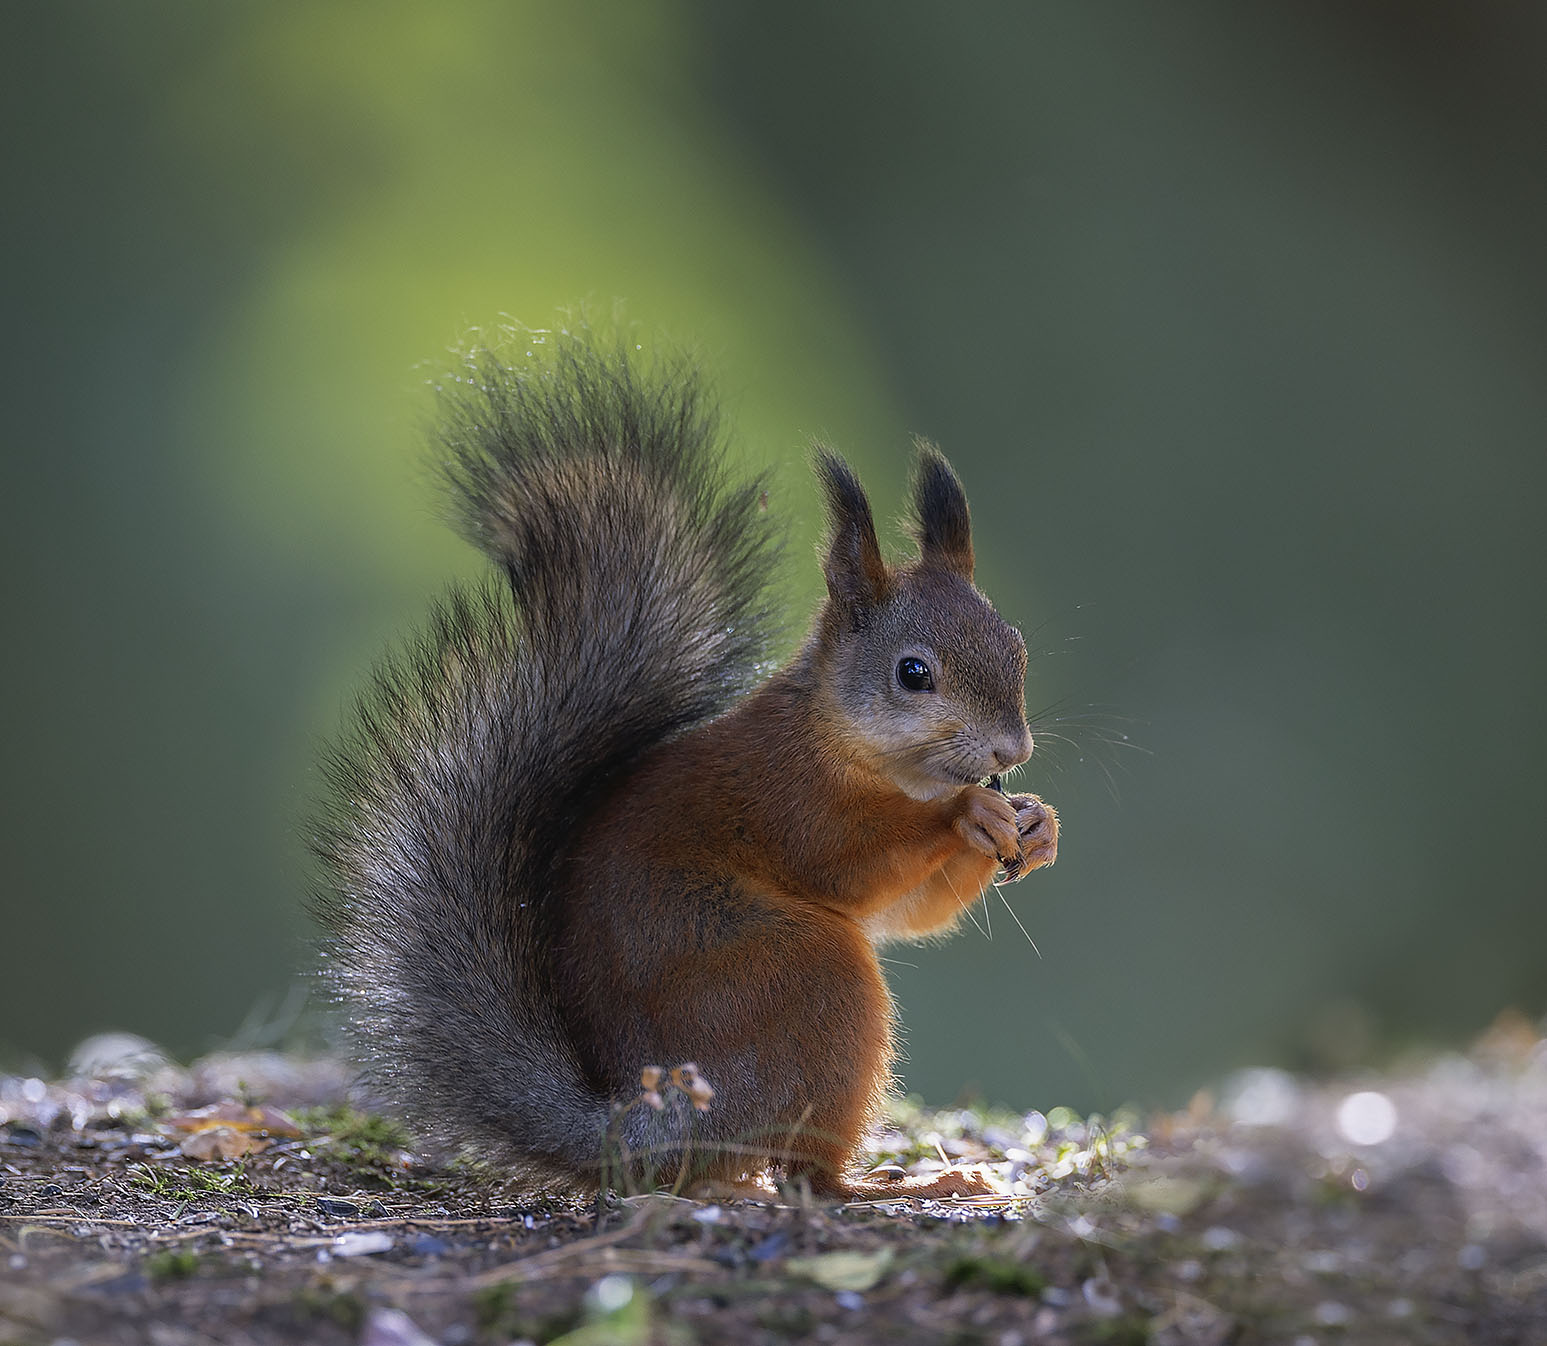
323	1302
171	1264
190	1182
1130	1329
498	1312
367	1135
1001	1275
370	1145
787	1319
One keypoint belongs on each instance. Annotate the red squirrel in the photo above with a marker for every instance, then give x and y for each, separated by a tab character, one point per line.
577	828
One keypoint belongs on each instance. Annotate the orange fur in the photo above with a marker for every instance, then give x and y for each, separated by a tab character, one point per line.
766	812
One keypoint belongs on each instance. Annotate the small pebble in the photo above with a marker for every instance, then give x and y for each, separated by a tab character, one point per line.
851	1300
1261	1097
1218	1239
1101	1295
427	1245
392	1327
771	1247
610	1294
362	1243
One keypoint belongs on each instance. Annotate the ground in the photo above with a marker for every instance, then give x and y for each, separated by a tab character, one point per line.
1405	1208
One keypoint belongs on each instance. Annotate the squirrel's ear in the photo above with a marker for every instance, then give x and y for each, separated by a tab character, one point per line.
943	522
857	577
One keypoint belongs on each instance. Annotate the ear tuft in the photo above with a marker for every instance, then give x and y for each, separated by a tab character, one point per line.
942	520
857	577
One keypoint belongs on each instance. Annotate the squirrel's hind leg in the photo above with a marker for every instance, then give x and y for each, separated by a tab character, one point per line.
790	1022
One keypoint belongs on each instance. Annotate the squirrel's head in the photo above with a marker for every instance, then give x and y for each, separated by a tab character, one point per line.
918	664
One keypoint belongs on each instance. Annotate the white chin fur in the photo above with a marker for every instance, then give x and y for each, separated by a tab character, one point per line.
927	787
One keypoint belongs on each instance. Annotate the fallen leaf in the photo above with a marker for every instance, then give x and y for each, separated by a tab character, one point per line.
843	1270
222	1142
237	1117
1165	1195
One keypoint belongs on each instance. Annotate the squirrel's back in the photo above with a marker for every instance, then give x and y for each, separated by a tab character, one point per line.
632	608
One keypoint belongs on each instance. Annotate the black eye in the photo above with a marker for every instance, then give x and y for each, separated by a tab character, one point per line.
914	674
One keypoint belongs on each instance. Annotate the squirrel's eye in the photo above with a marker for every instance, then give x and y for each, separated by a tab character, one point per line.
914	674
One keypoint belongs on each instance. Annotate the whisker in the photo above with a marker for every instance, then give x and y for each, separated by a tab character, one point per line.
963	905
1095	731
1017	921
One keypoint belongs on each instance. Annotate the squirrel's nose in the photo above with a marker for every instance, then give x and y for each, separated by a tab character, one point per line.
1013	749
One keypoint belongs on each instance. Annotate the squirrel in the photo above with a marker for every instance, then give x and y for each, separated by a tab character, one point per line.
579	826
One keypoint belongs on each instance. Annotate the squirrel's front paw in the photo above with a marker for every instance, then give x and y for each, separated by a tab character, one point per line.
987	823
1036	824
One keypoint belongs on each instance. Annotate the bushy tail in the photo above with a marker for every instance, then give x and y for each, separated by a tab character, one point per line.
635	608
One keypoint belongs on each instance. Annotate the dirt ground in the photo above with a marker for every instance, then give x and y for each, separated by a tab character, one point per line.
1406	1208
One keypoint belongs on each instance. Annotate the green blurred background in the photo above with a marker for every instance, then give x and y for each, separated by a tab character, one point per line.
1232	318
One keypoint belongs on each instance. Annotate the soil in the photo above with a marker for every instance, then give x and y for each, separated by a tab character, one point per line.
1405	1208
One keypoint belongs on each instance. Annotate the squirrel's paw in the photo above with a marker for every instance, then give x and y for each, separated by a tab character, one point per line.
1036	824
987	823
954	1182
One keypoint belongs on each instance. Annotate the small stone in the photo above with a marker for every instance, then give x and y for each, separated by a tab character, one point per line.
610	1294
427	1245
393	1327
1261	1097
1101	1295
771	1247
362	1243
116	1055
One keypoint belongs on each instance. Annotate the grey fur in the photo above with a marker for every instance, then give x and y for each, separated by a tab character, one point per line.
636	607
